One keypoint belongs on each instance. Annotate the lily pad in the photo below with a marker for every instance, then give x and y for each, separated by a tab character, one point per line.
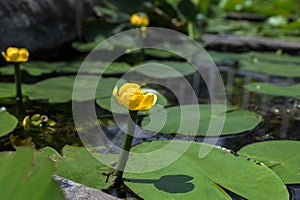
8	122
99	67
274	89
111	105
236	121
159	53
79	165
23	176
8	90
272	68
281	156
225	57
272	57
60	89
37	68
165	69
190	177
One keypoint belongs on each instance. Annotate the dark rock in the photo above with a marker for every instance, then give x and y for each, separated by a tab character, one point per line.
42	26
76	191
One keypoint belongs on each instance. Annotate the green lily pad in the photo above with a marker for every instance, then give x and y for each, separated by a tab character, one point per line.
24	176
225	57
274	90
281	156
87	47
165	69
37	68
8	90
84	47
99	67
236	121
110	104
59	89
158	53
8	122
272	57
79	165
272	68
190	177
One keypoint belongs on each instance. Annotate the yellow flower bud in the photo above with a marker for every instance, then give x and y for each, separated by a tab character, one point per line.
131	96
139	20
13	54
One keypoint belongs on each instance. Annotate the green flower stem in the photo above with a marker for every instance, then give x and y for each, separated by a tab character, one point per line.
19	99
126	146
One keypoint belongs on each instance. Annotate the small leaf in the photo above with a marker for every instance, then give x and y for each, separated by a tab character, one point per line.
274	89
8	122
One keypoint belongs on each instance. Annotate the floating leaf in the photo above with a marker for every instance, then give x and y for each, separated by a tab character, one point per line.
60	89
158	53
275	90
165	69
79	165
111	105
8	90
84	47
23	176
8	122
225	57
37	68
272	68
236	121
281	156
190	177
87	47
272	57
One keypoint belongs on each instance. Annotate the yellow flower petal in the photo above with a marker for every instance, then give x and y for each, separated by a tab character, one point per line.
148	101
129	87
139	20
4	55
135	100
132	97
13	54
23	55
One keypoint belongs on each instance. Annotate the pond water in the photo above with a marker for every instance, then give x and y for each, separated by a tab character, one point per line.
281	116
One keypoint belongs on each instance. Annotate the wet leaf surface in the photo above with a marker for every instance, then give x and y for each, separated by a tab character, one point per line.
281	156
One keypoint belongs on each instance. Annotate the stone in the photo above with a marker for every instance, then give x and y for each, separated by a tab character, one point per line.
76	191
42	26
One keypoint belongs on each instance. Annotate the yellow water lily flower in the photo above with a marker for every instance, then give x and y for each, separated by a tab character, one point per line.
133	97
14	54
139	20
